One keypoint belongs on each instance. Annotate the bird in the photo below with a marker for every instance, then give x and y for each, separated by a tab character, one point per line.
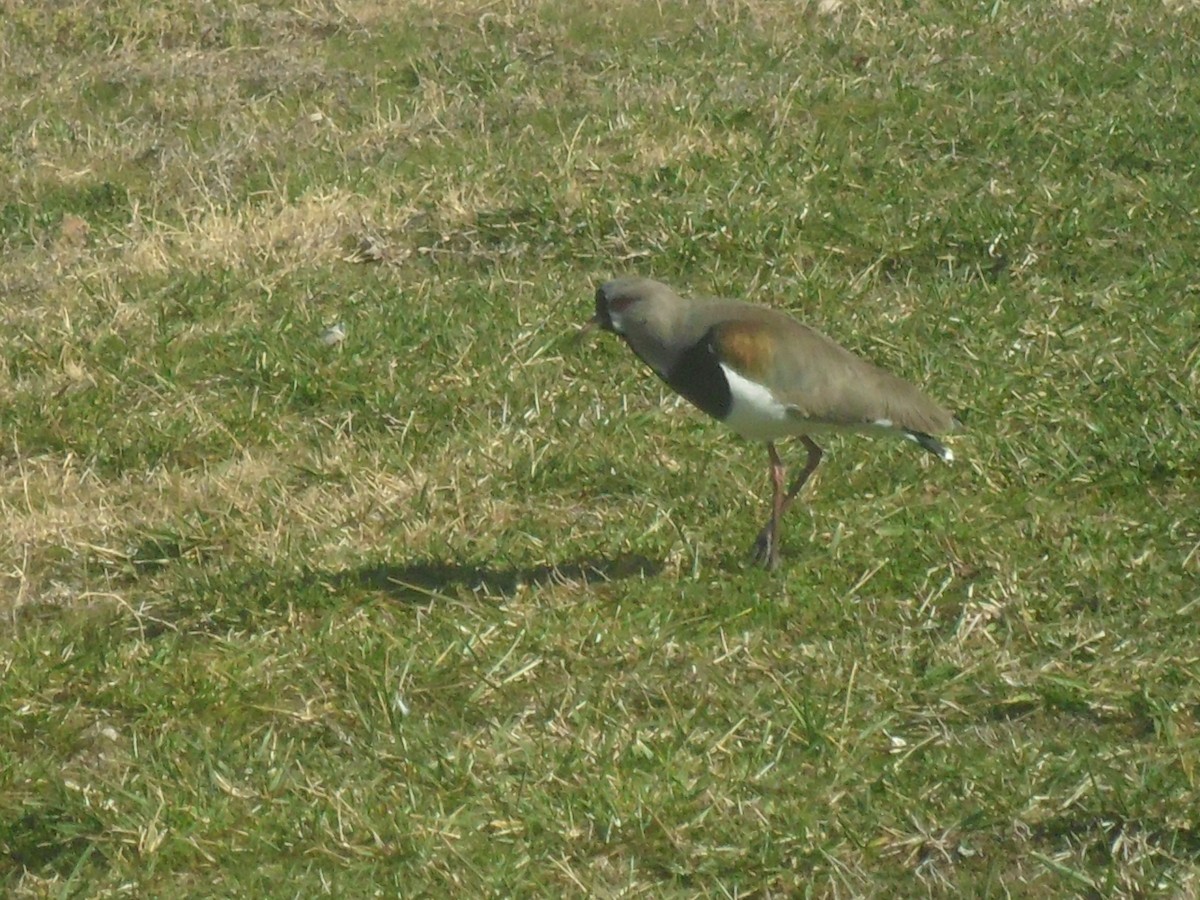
767	376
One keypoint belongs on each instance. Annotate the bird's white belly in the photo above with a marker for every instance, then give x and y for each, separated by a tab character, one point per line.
755	414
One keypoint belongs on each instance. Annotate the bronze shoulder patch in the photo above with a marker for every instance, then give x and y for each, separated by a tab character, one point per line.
748	347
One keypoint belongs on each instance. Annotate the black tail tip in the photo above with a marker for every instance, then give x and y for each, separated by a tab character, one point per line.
932	444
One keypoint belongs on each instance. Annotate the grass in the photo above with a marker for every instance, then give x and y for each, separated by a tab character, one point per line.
458	606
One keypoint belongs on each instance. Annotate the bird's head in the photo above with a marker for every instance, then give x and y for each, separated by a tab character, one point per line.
628	306
647	315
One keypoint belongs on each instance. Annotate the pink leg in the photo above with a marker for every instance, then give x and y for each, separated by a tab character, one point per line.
766	546
814	459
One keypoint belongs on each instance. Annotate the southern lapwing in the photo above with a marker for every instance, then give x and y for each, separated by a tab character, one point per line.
766	376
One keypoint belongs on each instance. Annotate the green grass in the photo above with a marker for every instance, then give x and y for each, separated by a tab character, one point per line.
460	606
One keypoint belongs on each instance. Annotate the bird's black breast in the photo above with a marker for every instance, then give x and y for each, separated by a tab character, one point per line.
698	377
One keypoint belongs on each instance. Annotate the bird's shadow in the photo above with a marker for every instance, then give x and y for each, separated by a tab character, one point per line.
428	580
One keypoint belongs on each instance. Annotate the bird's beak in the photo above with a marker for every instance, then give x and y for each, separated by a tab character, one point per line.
587	328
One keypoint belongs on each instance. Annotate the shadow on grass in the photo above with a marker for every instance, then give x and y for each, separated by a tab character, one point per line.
425	580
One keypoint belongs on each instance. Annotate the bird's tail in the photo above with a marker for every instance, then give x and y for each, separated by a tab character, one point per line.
932	444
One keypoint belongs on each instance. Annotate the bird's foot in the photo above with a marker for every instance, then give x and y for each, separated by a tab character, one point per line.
766	549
